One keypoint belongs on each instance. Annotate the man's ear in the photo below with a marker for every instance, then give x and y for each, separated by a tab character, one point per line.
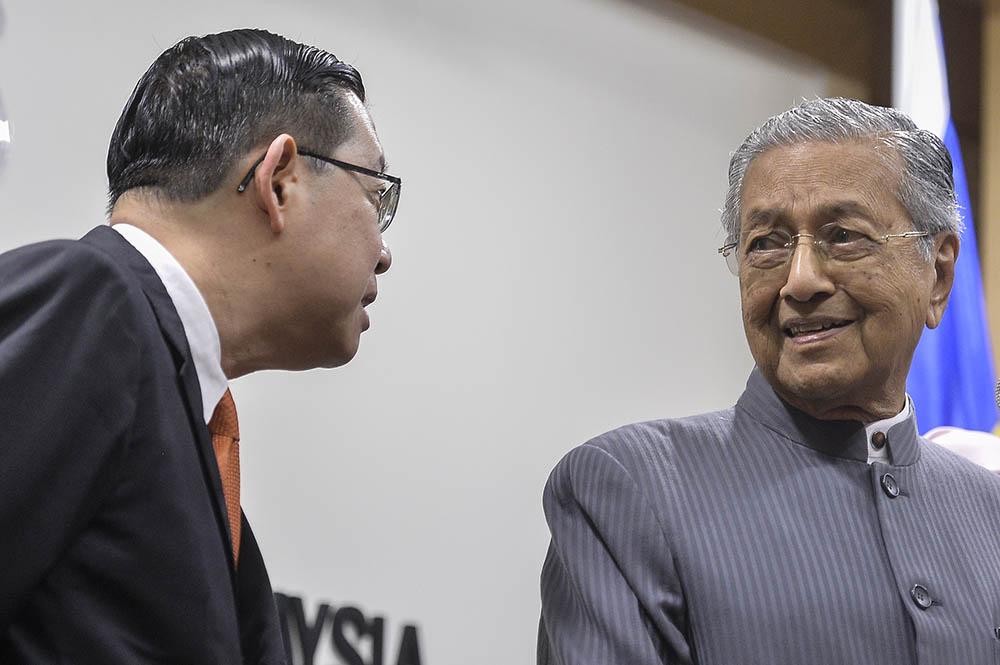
275	176
945	253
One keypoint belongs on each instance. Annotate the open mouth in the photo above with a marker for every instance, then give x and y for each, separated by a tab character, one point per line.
811	328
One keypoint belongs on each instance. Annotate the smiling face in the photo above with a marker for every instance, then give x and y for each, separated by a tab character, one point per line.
835	338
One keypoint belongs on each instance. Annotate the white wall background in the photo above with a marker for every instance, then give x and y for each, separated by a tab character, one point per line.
554	271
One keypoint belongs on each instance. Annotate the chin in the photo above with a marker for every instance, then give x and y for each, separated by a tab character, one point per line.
344	353
813	385
326	357
330	361
336	345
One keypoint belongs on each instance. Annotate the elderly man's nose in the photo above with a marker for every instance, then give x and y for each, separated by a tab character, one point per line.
807	274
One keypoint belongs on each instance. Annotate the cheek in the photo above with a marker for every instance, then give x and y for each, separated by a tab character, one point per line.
376	250
364	239
757	303
897	296
895	310
357	251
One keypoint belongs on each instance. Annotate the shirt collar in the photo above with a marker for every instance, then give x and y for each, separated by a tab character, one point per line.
199	327
878	432
842	438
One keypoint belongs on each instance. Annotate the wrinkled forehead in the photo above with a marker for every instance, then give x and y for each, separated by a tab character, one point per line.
857	173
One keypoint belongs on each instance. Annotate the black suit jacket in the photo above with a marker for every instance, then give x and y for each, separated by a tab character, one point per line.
114	541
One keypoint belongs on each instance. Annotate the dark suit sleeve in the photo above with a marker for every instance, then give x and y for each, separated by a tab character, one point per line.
68	380
610	593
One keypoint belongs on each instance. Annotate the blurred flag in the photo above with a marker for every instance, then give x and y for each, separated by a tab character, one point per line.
951	379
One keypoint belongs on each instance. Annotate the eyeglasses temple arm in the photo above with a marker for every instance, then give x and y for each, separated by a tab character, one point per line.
249	175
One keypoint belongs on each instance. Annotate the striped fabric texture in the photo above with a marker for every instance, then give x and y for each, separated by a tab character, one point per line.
761	536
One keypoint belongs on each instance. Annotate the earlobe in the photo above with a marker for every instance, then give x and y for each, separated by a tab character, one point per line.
274	177
945	255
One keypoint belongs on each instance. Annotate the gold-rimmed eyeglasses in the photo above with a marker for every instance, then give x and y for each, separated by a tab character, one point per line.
773	248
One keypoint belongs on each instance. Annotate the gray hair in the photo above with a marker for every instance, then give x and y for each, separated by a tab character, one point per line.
926	186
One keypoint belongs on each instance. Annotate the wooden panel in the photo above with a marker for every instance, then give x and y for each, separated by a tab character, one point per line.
989	223
836	33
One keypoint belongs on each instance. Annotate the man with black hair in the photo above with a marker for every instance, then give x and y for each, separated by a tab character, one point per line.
247	203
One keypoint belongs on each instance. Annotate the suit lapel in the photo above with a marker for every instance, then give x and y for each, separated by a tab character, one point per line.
126	255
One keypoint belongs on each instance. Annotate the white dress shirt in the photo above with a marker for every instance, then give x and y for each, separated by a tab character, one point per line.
199	327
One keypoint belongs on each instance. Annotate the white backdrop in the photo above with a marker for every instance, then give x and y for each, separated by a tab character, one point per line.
554	272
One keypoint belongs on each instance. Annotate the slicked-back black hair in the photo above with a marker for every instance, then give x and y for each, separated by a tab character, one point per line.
206	101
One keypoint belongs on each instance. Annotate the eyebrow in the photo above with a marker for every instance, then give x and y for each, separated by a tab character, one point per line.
764	216
381	164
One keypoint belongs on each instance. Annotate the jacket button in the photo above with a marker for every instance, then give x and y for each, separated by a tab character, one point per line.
921	596
890	486
879	440
996	631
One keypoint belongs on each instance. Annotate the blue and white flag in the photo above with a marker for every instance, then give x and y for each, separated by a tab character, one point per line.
951	379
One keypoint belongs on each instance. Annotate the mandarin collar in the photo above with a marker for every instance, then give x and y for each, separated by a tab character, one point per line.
846	439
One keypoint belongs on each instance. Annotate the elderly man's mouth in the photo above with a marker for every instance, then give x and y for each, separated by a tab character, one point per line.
814	328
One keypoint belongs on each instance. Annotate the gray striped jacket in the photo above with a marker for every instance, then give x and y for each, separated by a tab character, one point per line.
761	536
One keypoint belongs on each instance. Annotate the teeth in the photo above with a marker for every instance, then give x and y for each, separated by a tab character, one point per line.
798	330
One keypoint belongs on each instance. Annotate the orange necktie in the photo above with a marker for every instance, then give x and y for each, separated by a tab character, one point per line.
225	431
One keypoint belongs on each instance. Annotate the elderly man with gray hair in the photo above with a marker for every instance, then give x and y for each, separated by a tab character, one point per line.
810	523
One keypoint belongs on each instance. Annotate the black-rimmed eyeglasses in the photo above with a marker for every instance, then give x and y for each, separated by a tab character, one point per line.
388	199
